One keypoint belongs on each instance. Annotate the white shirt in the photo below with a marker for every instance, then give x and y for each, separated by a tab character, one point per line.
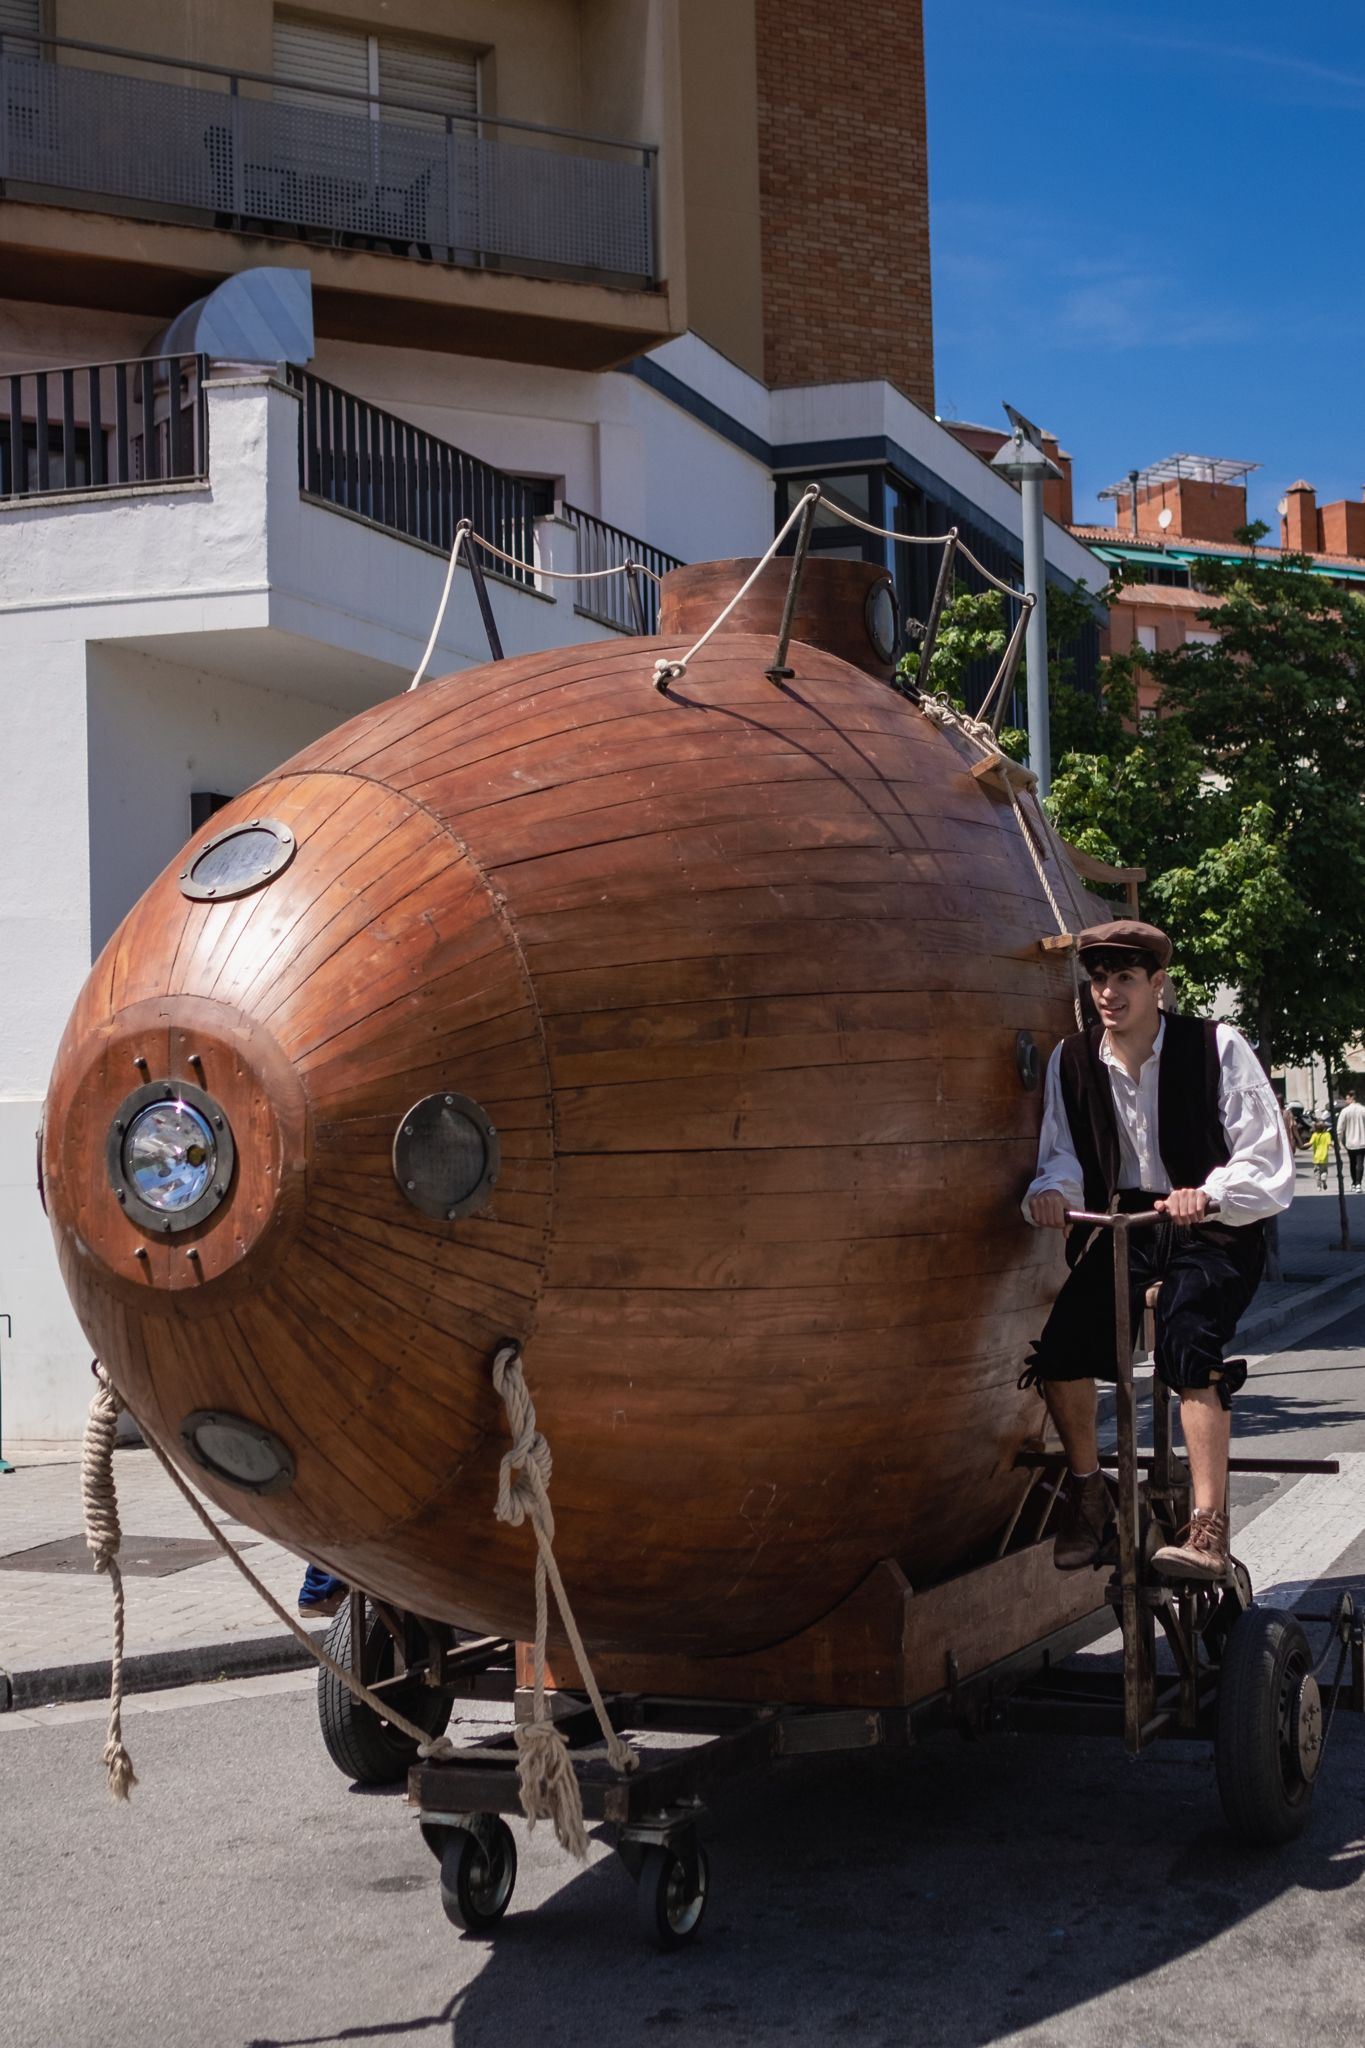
1258	1179
1351	1127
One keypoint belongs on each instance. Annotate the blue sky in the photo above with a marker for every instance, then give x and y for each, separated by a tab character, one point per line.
1147	230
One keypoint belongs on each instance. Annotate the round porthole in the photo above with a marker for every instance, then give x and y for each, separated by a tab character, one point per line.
1026	1060
881	615
445	1156
170	1156
244	1453
242	858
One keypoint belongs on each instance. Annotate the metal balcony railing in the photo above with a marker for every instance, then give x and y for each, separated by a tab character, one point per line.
601	546
360	459
405	175
103	426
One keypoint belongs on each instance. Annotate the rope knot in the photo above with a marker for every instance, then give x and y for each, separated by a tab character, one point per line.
666	672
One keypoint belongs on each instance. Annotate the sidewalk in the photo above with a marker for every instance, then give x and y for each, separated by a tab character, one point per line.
191	1616
1315	1275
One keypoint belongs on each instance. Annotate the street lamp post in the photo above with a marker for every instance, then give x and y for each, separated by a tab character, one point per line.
1023	460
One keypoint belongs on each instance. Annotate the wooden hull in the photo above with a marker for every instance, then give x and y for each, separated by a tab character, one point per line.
737	973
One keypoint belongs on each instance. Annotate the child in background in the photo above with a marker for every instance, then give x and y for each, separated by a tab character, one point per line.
1320	1145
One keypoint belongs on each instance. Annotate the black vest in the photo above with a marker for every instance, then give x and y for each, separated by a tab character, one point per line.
1190	1136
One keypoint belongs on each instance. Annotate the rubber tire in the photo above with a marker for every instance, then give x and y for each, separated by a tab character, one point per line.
365	1748
1265	1800
477	1879
664	1915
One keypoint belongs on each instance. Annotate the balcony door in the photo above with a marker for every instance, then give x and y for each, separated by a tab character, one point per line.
363	120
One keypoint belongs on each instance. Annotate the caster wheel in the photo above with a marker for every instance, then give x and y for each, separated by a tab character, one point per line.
1269	1738
670	1896
478	1872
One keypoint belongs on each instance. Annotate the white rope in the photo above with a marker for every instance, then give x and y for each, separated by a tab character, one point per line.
463	528
912	540
545	1775
666	672
937	709
568	575
464	531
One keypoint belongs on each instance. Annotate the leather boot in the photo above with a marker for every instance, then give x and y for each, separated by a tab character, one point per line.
1087	1523
1201	1551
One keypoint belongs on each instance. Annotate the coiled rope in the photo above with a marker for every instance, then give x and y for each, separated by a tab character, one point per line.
545	1777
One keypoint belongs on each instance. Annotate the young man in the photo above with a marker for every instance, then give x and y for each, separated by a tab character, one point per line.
1351	1138
1153	1111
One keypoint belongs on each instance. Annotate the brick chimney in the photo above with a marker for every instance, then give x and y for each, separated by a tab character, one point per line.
1342	528
1299	527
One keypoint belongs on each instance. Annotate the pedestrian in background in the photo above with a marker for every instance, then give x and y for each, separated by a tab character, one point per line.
1320	1145
1351	1137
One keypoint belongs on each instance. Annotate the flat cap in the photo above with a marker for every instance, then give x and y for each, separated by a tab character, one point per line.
1126	935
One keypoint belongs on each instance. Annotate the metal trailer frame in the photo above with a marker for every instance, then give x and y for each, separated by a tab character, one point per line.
1244	1680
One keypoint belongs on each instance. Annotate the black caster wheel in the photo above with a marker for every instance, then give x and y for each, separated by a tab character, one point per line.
1269	1740
478	1872
364	1747
670	1895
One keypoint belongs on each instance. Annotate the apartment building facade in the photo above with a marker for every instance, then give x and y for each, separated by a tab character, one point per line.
285	291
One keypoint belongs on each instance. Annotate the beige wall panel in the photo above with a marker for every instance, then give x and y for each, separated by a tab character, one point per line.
720	177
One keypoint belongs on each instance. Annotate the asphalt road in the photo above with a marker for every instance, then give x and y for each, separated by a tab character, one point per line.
1015	1890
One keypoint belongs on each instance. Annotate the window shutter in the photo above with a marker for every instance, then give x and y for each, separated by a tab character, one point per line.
20	18
335	59
410	69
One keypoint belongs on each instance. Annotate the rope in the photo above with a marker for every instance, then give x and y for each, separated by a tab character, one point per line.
939	711
101	1517
463	528
545	1776
666	672
99	1497
464	531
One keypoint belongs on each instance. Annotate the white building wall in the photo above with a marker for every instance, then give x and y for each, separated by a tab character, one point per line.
157	731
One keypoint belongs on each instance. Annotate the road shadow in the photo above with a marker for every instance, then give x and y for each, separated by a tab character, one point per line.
945	1899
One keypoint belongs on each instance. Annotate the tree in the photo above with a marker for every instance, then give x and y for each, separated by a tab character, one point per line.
973	634
1242	797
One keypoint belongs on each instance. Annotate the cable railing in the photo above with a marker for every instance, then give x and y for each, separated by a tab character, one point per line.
612	601
287	157
103	426
358	458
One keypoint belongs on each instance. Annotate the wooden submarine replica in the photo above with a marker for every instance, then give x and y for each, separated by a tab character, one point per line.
689	1037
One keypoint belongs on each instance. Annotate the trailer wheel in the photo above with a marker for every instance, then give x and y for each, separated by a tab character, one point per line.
478	1872
1269	1727
363	1746
670	1895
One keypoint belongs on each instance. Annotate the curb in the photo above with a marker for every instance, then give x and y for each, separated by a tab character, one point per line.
153	1671
1305	1303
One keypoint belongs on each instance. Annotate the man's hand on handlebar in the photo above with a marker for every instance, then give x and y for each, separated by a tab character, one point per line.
1184	1205
1048	1210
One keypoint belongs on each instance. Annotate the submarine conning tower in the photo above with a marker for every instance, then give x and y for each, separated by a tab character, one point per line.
673	1033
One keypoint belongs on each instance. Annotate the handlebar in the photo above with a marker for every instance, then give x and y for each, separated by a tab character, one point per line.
1128	1219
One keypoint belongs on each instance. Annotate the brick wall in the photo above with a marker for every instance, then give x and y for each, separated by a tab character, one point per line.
844	194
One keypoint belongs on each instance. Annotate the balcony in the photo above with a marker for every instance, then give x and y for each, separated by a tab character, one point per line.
144	428
490	218
398	173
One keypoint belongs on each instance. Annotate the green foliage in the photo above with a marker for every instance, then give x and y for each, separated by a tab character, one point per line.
973	629
1242	797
